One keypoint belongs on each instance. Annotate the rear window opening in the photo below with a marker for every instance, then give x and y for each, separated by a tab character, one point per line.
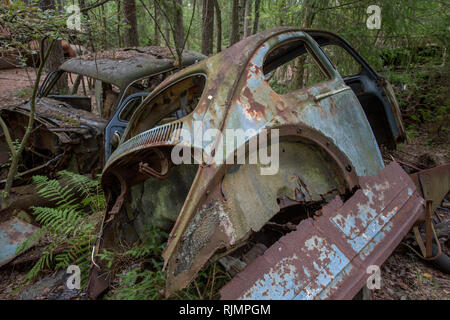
342	61
83	92
74	89
174	102
292	66
147	84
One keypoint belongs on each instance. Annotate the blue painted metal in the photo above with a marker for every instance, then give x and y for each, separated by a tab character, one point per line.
117	124
12	234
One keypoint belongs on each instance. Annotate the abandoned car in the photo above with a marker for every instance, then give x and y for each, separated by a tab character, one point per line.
75	102
307	230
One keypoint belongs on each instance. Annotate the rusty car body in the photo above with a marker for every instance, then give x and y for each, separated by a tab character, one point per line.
70	120
306	232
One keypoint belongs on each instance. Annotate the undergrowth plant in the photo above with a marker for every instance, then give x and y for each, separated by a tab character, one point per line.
143	283
144	280
68	228
423	95
137	283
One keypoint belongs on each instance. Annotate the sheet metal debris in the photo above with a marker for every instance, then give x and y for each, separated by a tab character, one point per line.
12	234
433	184
327	258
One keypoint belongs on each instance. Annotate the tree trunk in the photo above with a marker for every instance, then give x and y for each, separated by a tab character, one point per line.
119	37
234	32
218	16
241	10
56	57
82	5
105	34
157	36
60	6
178	36
166	30
256	19
207	27
248	18
131	31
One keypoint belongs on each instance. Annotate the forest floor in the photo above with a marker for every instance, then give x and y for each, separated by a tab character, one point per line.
404	275
16	85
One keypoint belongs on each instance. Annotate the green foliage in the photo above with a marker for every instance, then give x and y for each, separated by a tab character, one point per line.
24	93
145	280
24	24
138	284
70	227
278	87
424	98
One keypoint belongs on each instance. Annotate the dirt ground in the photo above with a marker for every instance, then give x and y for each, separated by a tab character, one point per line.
16	85
404	275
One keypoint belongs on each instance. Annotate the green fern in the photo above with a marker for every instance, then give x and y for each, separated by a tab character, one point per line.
70	225
53	191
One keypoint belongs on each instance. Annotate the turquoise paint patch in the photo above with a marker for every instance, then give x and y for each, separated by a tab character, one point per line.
12	234
283	281
369	221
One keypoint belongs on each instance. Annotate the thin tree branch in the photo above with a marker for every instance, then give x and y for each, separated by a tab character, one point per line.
165	15
7	136
33	97
189	29
15	159
339	6
159	28
93	6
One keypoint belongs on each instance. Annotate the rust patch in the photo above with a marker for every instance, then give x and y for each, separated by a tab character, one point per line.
254	109
433	184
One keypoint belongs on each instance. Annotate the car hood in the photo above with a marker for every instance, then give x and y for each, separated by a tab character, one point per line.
60	116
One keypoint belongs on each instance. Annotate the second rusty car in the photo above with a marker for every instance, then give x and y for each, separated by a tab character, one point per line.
76	101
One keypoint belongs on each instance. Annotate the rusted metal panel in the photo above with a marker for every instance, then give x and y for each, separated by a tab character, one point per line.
122	66
327	258
12	234
433	184
61	133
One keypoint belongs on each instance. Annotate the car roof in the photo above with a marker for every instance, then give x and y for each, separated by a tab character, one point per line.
122	66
